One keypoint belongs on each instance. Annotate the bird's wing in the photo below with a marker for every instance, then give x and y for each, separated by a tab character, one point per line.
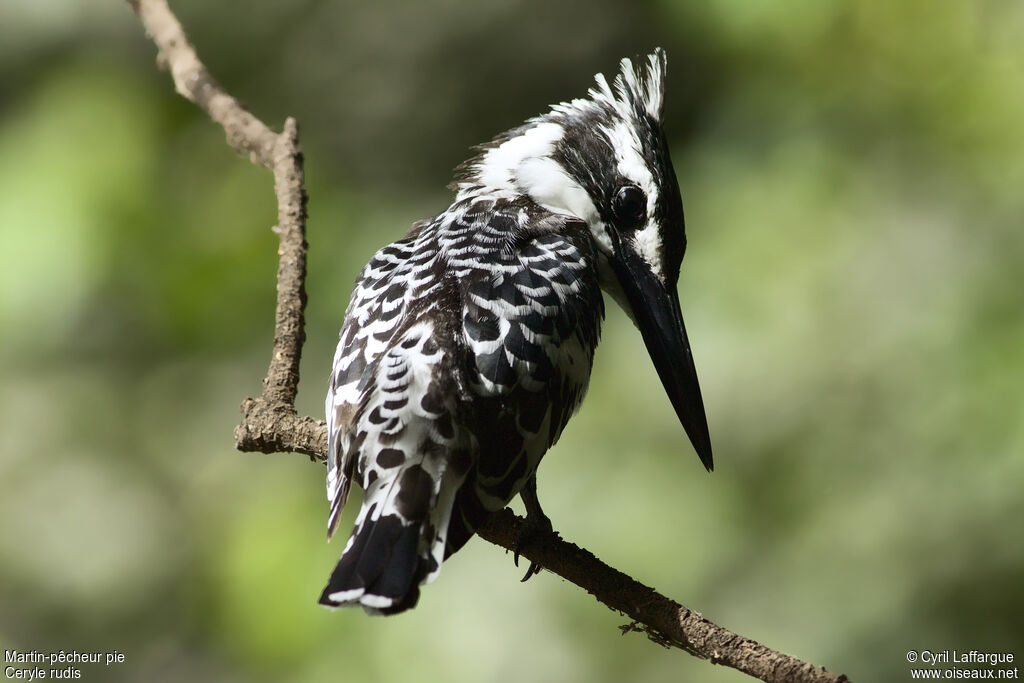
530	320
375	312
394	419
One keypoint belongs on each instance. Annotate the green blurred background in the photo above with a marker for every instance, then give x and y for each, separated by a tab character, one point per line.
852	174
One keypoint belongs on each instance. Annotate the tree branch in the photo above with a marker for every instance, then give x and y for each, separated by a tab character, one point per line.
270	423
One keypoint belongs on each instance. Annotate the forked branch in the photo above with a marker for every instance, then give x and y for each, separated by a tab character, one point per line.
270	423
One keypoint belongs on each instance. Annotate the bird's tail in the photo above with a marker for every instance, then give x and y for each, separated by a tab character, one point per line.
381	568
397	544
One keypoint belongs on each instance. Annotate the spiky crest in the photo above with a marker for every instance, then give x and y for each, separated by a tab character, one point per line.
635	93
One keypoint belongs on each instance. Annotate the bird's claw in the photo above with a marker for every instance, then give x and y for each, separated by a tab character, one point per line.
533	524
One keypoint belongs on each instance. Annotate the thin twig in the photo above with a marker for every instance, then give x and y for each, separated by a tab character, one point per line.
270	423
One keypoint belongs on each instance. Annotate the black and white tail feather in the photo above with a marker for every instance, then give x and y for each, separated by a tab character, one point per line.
468	344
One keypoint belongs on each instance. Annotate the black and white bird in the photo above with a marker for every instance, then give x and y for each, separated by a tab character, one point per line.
468	344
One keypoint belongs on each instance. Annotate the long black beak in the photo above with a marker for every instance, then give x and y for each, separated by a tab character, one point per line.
657	314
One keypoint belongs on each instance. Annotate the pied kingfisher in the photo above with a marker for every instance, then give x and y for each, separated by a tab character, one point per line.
468	344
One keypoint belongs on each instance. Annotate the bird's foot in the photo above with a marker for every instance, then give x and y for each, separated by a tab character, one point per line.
534	524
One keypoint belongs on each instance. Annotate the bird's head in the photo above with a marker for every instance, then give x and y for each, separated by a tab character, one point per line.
604	160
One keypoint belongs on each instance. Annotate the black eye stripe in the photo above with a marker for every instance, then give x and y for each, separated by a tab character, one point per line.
629	207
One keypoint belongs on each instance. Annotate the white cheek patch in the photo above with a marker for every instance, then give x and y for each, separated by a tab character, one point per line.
647	243
601	237
547	183
525	164
499	166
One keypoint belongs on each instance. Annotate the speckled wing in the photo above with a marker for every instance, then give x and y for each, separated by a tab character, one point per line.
374	313
466	348
390	419
530	321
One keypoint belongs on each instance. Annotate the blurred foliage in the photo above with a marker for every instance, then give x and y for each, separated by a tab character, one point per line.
852	173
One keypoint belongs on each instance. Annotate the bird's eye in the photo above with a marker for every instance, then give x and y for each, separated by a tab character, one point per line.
629	207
